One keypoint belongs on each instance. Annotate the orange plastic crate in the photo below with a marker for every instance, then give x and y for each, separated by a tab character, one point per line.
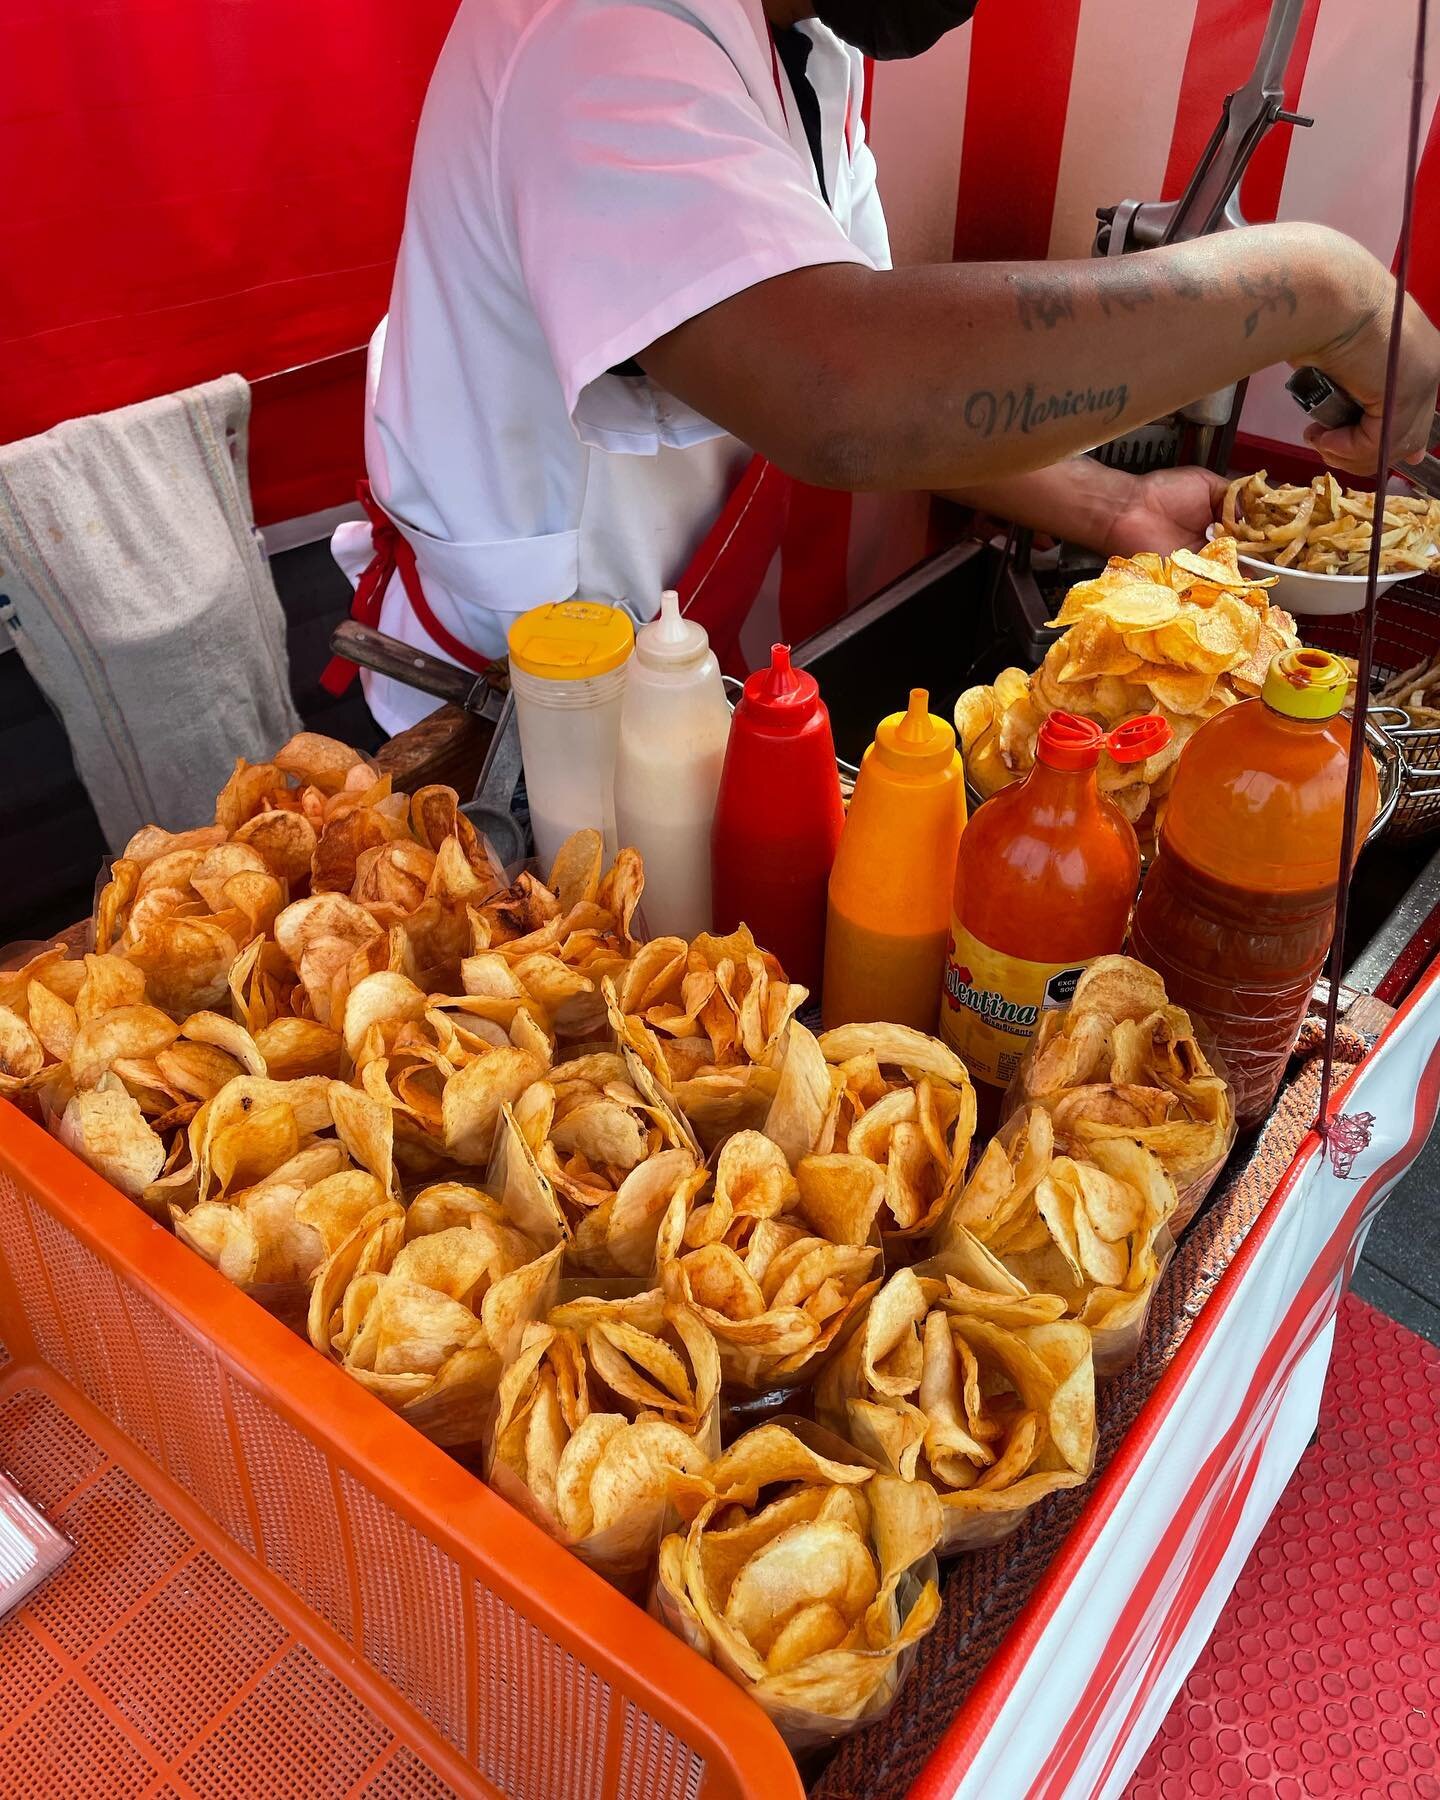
280	1587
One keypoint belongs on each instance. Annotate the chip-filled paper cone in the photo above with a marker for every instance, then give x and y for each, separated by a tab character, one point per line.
602	1401
1121	1062
804	1573
958	1377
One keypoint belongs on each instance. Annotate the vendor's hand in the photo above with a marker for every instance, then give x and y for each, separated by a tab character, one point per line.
1355	359
1165	510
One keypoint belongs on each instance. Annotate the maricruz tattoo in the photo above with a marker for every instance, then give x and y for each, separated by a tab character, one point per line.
991	414
1041	303
1270	293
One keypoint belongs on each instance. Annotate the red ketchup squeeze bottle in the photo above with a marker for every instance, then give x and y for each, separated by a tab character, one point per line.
1044	883
778	818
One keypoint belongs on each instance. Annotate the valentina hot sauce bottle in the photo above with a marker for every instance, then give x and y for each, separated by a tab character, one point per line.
1239	906
778	818
1044	883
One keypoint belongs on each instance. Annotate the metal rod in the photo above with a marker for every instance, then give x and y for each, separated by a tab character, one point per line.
1367	635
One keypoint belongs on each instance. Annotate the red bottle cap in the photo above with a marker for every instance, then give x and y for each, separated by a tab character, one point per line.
1139	739
782	696
1067	741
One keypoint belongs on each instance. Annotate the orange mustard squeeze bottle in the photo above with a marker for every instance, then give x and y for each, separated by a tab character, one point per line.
1239	906
889	904
1044	883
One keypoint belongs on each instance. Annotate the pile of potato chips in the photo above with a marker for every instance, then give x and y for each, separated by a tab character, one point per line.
1089	1227
565	1200
1122	1124
602	1403
1184	636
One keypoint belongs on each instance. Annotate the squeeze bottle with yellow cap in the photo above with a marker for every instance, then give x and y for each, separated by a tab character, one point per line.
567	673
673	729
890	887
1238	910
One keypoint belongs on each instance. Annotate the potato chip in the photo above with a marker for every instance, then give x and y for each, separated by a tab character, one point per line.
474	1095
901	1045
320	762
840	1196
974	715
104	1126
802	1096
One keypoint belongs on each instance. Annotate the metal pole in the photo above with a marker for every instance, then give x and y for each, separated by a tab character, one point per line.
1367	637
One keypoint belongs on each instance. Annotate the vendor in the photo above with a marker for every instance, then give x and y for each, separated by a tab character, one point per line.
645	278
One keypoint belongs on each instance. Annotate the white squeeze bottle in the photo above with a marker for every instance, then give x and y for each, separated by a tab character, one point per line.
674	725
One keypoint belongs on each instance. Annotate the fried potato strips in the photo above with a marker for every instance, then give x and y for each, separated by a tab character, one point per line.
1325	529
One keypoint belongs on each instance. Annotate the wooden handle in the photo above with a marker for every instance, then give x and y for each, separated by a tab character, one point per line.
388	656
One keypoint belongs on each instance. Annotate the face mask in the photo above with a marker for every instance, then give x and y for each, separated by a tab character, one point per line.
890	29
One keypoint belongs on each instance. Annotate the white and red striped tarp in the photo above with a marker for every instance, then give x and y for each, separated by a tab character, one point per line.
1003	140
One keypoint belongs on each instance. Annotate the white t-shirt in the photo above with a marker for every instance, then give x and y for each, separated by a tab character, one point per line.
588	175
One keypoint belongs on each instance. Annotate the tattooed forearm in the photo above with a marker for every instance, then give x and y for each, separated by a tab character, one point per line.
989	413
1269	292
1042	303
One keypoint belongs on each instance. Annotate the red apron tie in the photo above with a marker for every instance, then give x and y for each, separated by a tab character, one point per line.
393	551
725	574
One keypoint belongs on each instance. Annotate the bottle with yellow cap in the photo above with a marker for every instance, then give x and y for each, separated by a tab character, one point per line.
567	672
889	905
1238	909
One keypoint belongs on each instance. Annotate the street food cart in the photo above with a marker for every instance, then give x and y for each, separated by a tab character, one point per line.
279	1584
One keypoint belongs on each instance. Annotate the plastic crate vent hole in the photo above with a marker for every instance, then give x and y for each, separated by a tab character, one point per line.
68	1750
544	1715
43	1450
405	1777
414	1621
89	1304
26	1669
655	1764
198	1452
300	1530
124	1545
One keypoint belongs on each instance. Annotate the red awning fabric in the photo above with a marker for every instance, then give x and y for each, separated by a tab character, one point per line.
195	186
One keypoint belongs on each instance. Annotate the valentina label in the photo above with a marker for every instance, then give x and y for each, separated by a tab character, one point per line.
988	1004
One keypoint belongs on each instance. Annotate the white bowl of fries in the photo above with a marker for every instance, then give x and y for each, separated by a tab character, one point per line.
1314	542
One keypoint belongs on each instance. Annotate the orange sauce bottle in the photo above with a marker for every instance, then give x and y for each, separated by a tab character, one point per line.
1239	907
889	901
1044	883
